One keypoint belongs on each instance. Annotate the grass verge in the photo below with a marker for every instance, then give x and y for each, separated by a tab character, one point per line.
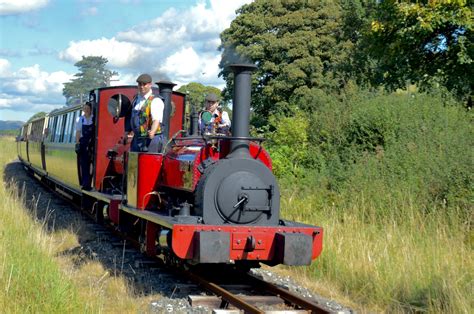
36	278
408	261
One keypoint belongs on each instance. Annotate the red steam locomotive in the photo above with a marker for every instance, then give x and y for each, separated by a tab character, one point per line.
206	198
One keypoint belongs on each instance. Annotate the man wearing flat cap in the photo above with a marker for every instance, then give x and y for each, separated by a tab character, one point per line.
146	119
219	121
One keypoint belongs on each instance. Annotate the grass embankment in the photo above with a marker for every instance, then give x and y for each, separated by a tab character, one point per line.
35	277
394	194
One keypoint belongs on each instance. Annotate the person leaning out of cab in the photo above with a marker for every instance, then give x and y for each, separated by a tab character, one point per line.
85	132
146	118
219	121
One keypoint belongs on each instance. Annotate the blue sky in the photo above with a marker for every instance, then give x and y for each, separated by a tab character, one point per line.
40	40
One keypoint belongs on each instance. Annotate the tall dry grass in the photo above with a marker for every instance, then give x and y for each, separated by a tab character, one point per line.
36	278
31	282
390	179
406	262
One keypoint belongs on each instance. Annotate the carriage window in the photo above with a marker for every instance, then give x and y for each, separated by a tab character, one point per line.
68	128
59	128
51	128
72	135
63	124
37	130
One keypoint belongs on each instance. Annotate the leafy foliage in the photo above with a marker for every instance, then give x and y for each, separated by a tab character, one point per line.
92	74
290	146
424	42
296	45
372	142
196	92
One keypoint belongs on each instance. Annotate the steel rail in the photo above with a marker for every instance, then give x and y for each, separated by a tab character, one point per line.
224	294
288	296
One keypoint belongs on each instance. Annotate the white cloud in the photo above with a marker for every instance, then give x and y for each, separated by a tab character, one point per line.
178	45
31	90
119	53
194	25
4	67
12	7
184	43
33	80
187	65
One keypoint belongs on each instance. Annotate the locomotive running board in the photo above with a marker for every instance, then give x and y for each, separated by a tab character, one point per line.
149	216
103	196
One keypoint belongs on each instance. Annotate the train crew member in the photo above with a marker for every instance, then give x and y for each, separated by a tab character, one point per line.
146	118
85	133
220	121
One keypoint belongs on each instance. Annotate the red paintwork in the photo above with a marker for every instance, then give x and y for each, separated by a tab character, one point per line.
183	243
177	114
151	236
149	170
114	211
184	159
110	132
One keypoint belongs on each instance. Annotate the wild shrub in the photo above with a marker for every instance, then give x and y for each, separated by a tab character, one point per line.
289	146
412	144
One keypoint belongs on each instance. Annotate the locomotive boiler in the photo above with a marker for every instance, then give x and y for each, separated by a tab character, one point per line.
206	198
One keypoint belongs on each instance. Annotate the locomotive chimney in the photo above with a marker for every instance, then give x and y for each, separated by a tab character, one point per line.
241	109
166	89
194	121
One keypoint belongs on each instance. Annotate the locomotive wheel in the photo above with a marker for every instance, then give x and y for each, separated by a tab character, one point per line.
238	191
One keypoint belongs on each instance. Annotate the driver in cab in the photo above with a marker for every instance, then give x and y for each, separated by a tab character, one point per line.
214	120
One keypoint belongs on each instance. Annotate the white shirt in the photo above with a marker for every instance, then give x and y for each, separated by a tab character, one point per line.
156	107
82	120
225	118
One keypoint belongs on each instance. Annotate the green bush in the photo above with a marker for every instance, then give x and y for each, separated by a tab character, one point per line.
392	188
289	147
381	145
412	143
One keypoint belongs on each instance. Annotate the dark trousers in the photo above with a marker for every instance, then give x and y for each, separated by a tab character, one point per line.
142	144
85	163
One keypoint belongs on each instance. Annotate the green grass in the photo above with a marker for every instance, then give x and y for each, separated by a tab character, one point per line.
35	278
409	261
30	279
391	183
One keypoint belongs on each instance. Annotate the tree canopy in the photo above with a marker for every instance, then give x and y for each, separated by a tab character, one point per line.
296	44
92	74
423	42
306	49
196	92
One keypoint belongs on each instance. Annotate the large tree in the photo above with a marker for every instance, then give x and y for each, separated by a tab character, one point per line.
423	42
296	45
92	74
196	92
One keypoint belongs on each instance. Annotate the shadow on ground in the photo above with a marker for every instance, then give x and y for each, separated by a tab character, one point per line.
95	242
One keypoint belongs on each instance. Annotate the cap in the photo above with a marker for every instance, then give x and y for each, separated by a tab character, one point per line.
144	78
212	97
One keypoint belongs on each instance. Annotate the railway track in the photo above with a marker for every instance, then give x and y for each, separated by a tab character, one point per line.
231	290
270	295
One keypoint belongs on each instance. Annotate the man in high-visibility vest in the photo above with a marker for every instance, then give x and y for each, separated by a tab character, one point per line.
146	119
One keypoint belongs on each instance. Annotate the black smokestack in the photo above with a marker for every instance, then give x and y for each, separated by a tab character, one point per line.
166	89
241	108
194	121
